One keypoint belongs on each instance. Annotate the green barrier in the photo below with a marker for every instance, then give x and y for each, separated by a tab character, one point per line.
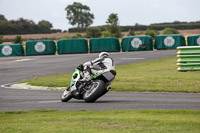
169	41
188	58
104	44
137	43
72	46
11	50
40	47
193	40
188	67
189	50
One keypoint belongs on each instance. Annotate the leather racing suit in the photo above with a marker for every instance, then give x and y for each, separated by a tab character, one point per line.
98	66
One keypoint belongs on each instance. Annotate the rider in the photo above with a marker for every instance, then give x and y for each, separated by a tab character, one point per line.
98	66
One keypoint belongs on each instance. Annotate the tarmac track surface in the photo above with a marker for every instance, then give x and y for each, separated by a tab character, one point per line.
14	69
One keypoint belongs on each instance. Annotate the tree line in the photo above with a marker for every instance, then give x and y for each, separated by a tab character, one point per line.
24	26
138	27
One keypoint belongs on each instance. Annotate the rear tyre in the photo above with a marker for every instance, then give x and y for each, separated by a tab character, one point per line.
67	95
95	92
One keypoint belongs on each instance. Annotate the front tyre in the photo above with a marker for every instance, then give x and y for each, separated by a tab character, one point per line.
95	92
67	95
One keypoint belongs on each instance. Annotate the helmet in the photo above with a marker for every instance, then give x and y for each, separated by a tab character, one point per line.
103	54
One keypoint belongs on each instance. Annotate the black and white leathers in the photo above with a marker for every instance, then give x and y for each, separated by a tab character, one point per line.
100	65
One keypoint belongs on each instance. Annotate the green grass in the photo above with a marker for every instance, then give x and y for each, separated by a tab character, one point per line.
48	121
157	76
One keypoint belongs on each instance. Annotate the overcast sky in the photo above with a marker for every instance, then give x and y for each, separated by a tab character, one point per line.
129	11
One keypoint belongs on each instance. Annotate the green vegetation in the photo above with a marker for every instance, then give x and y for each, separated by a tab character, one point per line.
158	26
150	121
131	33
106	34
18	39
24	26
78	35
1	38
151	33
93	32
170	31
112	27
113	19
79	14
157	76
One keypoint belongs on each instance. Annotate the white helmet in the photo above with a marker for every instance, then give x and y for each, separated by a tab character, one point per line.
103	54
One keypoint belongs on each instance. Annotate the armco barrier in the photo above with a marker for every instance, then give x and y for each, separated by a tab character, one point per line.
72	46
188	58
11	50
40	47
137	43
193	40
104	44
169	41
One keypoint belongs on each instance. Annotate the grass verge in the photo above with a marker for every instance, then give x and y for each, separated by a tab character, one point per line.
156	76
151	121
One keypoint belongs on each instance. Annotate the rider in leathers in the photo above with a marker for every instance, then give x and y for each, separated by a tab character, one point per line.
98	66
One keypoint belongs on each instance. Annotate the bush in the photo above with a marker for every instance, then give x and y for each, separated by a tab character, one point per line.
131	33
78	35
65	37
170	31
93	32
114	30
151	33
106	34
1	39
18	39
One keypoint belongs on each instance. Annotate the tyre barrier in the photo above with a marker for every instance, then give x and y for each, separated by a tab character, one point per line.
72	46
169	41
193	40
40	47
137	43
11	50
188	58
104	44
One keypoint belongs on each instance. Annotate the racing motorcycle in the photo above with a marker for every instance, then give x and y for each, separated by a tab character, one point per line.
89	91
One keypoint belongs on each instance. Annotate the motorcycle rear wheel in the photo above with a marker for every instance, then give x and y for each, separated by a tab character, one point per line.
95	92
66	95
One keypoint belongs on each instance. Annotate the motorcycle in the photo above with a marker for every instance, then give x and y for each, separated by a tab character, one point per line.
91	90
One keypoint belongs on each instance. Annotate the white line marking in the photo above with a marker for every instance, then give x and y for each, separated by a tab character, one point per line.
20	60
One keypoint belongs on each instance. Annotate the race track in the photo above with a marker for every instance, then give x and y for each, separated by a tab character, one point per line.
14	69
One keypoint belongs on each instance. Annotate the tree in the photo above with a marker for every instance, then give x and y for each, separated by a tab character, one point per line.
79	15
45	26
2	17
114	30
170	31
45	23
112	26
113	19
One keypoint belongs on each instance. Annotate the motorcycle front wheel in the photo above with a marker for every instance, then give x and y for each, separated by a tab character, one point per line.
66	95
95	91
